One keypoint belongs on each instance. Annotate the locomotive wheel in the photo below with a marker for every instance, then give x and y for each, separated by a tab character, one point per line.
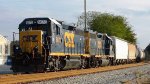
56	65
84	63
100	62
62	64
115	62
97	63
93	62
111	61
59	64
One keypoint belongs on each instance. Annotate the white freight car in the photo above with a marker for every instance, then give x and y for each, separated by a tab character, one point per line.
120	48
4	50
131	51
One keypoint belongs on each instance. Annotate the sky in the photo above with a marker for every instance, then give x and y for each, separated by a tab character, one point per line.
137	12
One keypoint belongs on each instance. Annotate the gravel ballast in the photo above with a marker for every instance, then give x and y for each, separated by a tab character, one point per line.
132	75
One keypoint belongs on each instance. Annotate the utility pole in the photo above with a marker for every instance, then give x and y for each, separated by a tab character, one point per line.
85	15
14	34
13	37
86	32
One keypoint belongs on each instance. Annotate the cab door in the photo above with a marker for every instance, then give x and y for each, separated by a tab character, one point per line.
57	41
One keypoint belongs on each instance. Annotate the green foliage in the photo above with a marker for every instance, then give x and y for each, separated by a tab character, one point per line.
111	24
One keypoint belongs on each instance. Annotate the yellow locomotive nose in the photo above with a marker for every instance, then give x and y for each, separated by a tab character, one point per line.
30	39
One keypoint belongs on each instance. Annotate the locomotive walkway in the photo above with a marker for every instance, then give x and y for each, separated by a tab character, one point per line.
27	78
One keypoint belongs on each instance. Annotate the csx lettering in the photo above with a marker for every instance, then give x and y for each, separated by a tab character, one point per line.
30	38
69	39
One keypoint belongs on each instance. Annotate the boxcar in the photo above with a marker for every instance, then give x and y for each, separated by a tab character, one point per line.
121	48
131	51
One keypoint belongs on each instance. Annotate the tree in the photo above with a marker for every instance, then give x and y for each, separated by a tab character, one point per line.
90	16
111	24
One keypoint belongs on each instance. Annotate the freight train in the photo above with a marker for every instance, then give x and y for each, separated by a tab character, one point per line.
46	44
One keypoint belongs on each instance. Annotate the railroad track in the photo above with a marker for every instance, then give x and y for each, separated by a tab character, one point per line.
26	78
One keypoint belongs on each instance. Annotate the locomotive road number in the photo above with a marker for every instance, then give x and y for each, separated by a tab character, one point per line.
42	21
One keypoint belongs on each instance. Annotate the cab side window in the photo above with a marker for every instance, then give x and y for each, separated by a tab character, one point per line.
57	30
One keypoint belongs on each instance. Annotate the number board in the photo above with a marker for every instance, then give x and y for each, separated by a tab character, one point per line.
29	22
